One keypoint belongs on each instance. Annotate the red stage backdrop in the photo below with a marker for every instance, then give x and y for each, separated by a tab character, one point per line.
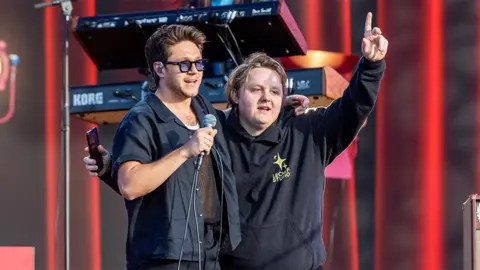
418	158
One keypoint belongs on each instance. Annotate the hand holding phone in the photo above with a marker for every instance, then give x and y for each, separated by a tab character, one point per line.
93	142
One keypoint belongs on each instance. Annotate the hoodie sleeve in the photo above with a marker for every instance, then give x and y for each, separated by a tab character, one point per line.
336	126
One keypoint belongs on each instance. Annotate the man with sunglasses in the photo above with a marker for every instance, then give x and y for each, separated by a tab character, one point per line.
175	208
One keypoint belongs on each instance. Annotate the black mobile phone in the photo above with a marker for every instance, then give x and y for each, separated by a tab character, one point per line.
93	142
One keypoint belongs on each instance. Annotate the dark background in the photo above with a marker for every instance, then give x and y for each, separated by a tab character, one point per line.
417	162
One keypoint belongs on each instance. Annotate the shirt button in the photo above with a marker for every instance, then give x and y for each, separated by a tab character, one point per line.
201	215
190	136
198	189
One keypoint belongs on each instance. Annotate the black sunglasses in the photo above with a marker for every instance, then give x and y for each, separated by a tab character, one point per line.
186	66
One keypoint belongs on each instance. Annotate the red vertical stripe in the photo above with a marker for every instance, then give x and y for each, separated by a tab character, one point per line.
313	27
93	198
93	184
350	186
88	76
346	27
431	225
380	155
52	106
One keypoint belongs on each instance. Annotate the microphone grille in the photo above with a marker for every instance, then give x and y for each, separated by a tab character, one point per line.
209	120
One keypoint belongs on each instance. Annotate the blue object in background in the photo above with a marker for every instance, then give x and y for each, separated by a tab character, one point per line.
217	3
14	59
218	68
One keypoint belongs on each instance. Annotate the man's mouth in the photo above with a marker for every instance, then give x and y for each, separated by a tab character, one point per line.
264	108
190	81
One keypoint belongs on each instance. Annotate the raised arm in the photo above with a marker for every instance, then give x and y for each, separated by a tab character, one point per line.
336	126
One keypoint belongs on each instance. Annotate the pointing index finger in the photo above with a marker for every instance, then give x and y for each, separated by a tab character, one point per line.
368	23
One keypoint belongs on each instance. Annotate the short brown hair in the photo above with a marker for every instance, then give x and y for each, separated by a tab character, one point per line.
239	75
157	46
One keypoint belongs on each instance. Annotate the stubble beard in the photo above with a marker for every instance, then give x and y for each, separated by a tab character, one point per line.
176	88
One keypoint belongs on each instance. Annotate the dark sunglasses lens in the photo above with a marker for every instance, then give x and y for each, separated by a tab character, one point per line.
185	66
200	65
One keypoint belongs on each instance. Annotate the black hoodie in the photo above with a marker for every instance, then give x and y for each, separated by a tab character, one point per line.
280	177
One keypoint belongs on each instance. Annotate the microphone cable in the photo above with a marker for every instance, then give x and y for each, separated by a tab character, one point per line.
195	176
209	120
221	215
195	183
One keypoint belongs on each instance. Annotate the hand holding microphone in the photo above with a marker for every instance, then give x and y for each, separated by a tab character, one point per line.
202	140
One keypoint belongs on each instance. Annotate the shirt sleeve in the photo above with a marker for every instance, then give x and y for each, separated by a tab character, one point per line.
336	126
132	141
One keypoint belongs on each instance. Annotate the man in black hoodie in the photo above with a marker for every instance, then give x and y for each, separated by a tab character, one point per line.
279	159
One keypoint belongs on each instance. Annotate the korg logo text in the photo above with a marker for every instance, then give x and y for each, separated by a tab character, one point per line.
87	99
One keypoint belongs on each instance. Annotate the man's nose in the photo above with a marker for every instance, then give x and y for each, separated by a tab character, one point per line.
266	95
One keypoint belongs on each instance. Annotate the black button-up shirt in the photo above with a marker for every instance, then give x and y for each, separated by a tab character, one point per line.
156	221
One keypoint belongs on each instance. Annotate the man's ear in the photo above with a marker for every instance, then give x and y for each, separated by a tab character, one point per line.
235	97
158	66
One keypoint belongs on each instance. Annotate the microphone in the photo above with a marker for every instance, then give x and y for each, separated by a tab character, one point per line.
209	120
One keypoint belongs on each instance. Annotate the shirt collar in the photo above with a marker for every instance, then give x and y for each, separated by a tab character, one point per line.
166	115
199	110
